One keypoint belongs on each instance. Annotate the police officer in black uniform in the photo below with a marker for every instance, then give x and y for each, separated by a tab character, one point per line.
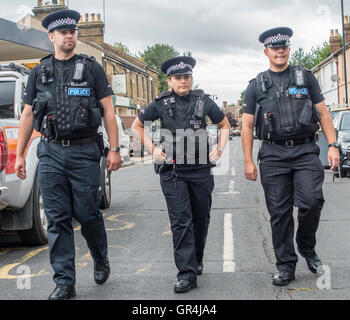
184	163
286	105
65	99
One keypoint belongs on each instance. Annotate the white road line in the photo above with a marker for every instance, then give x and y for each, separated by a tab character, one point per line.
228	252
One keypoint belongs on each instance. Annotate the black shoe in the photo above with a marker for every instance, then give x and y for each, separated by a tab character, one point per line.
101	271
282	278
314	263
200	269
62	292
184	286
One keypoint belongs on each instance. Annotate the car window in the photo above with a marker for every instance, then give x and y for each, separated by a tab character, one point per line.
345	122
7	97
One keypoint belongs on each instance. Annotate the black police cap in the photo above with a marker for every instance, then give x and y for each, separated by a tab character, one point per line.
178	65
276	37
61	20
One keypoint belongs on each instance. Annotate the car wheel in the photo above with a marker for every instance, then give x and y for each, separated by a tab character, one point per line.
105	193
37	235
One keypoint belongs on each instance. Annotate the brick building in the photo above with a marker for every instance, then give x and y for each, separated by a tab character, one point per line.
134	83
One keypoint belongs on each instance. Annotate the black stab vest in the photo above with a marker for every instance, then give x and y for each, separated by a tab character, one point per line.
284	113
70	102
185	126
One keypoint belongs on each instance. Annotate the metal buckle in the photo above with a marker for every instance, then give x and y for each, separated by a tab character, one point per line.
289	143
66	143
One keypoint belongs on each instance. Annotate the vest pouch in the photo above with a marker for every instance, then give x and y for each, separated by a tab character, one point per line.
81	117
259	122
95	117
306	113
39	110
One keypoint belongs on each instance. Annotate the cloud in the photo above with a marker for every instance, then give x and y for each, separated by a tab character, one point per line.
221	34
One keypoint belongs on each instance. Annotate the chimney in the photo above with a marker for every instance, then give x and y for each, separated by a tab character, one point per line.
347	29
225	104
42	10
335	41
92	30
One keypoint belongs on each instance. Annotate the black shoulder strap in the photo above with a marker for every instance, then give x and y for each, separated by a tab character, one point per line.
47	57
164	94
198	92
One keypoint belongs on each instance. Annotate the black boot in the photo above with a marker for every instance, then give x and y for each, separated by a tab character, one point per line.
101	271
185	285
200	268
62	292
314	263
282	278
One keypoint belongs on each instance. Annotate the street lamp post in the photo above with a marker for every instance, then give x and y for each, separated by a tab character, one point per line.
344	54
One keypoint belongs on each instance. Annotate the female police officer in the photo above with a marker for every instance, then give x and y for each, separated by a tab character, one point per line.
287	104
185	175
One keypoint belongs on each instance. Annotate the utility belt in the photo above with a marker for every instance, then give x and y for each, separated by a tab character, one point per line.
75	142
292	142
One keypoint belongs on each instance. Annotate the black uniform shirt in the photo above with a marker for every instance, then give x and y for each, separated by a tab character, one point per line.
153	111
282	78
102	86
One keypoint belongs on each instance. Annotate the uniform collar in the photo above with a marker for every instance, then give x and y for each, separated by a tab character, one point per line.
184	98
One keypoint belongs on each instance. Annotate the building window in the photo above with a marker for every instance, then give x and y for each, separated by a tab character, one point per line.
143	87
137	86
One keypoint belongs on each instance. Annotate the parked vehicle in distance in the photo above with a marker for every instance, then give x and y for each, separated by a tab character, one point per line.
3	163
342	126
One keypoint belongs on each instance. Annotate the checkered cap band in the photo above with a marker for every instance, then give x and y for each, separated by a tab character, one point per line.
179	66
274	39
61	22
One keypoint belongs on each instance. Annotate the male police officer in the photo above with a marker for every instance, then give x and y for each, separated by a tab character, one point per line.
66	96
185	175
286	104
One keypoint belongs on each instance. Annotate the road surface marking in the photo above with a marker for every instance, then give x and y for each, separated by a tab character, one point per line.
231	189
228	252
167	230
144	268
4	271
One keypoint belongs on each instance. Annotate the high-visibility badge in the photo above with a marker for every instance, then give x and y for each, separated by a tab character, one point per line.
297	91
82	92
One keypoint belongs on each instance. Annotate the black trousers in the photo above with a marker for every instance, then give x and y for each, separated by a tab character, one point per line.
189	201
292	176
69	181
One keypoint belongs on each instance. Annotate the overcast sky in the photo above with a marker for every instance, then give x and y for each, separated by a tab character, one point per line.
221	34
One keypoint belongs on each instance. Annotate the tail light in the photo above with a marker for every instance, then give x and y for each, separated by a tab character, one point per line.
3	151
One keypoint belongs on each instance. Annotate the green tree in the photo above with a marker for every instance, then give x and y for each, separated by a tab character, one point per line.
155	55
123	48
312	58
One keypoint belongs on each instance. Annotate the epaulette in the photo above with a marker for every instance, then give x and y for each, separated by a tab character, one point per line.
164	94
47	57
198	92
82	56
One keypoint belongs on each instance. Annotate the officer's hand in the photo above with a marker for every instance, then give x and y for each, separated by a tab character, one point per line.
333	157
250	171
113	161
158	155
20	168
214	156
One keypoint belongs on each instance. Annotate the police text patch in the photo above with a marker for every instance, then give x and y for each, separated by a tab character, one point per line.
297	91
84	92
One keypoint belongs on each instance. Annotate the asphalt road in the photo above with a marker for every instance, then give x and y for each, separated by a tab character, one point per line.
238	263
